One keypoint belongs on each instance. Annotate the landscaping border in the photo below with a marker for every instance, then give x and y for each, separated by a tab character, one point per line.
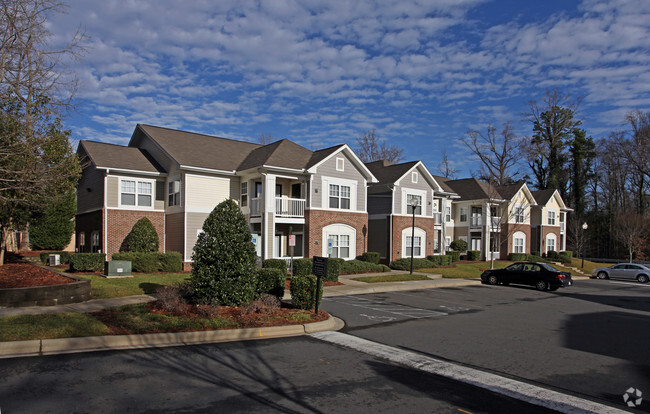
50	295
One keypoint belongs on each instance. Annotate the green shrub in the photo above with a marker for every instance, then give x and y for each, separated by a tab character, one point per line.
279	264
302	267
534	258
518	257
553	255
405	264
64	257
564	257
447	260
473	255
436	260
536	253
140	262
143	237
224	269
53	228
567	253
303	291
87	262
171	262
371	257
352	267
455	255
270	280
334	265
458	245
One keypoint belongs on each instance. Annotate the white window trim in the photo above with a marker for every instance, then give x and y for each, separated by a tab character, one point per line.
551	236
339	229
136	207
555	216
325	202
515	214
405	206
460	214
423	242
519	236
180	192
340	164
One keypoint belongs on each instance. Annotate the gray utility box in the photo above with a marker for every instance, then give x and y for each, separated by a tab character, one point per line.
55	259
117	268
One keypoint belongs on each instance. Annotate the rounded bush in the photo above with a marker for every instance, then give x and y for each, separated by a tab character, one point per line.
270	281
143	237
303	292
459	245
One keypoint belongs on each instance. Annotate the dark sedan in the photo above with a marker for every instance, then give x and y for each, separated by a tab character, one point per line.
541	275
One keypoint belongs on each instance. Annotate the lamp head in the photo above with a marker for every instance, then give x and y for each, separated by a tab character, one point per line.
585	226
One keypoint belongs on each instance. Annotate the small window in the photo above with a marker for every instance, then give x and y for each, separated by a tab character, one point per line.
340	164
82	240
244	194
413	245
94	242
463	214
447	214
174	190
414	177
518	245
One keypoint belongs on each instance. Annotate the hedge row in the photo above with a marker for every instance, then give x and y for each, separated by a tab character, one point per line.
303	267
564	257
359	266
64	257
370	257
271	281
405	264
303	291
473	255
87	262
441	260
279	264
171	262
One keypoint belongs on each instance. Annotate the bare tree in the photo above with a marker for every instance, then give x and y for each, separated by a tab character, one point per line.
445	167
370	147
37	162
631	229
264	139
498	152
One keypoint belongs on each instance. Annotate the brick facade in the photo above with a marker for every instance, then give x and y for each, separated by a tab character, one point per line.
403	222
120	223
509	229
546	230
316	220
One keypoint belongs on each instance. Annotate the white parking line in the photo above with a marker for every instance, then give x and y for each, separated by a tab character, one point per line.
630	284
506	386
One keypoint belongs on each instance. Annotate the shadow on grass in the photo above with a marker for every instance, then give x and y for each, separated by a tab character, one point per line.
148	287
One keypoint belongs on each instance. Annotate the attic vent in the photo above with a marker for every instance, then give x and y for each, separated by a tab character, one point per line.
414	177
340	164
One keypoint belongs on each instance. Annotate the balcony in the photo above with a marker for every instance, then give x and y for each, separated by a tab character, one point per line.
476	221
284	207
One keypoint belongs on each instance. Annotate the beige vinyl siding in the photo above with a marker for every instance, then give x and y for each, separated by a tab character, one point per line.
194	224
90	193
112	191
328	169
174	232
204	192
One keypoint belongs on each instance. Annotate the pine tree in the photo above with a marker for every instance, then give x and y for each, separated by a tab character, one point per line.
53	229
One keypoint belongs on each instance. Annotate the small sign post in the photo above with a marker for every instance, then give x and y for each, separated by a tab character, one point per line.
319	269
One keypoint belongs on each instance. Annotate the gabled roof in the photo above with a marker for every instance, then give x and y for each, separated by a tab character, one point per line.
119	157
442	181
321	156
543	196
190	149
508	191
388	173
282	154
473	189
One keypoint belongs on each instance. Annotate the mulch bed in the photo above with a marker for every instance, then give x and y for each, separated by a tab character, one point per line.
20	275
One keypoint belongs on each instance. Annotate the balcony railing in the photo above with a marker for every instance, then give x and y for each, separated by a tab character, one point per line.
290	207
284	207
476	221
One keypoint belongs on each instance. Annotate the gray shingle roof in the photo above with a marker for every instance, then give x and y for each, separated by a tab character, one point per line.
543	196
473	189
388	173
120	157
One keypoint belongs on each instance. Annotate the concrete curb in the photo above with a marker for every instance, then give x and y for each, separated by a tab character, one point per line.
361	288
18	349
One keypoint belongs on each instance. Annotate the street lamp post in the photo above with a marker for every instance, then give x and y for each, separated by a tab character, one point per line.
414	203
584	227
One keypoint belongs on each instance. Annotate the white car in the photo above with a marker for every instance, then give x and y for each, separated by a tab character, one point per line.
632	271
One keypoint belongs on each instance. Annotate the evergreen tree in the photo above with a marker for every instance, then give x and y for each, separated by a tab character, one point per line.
223	269
143	237
53	229
582	154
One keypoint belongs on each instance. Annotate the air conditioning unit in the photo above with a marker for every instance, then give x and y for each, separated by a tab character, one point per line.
55	259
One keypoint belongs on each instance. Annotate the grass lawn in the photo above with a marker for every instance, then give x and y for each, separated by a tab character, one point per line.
391	278
139	284
61	325
466	270
589	266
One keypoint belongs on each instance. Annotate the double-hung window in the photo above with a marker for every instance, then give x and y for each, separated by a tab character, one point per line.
138	193
518	245
413	245
463	214
520	215
339	245
551	218
94	241
244	194
339	196
410	198
447	214
174	193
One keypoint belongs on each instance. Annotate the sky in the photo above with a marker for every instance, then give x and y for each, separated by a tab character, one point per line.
320	73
